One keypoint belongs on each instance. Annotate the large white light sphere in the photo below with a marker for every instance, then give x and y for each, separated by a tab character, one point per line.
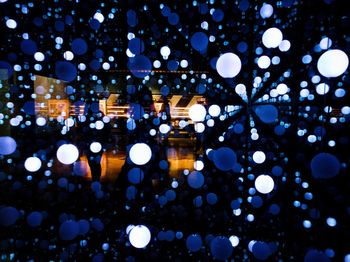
259	157
197	112
214	110
67	154
264	184
266	11
139	236
332	63
140	154
272	37
32	164
228	65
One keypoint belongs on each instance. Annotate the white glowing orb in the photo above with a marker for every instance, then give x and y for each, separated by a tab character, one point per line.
199	127
240	89
197	112
68	55
38	56
69	122
152	132
10	23
165	51
95	147
282	89
234	241
214	110
284	46
99	17
322	89
140	154
228	65
264	62
264	184
266	11
272	37
106	66
333	63
325	43
41	121
164	128
99	125
183	63
128	229
139	236
210	122
67	154
259	157
198	165
129	53
106	119
32	164
157	64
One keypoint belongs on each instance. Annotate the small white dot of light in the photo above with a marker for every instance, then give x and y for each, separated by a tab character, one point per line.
311	138
307	223
17	68
303	84
186	172
131	36
129	53
345	110
237	212
273	93
331	143
275	60
10	105
285	97
204	25
234	241
265	97
68	55
210	123
328	109
305	185
333	120
325	43
174	184
212	38
81	67
332	222
99	17
315	79
254	136
250	218
221	139
157	64
198	165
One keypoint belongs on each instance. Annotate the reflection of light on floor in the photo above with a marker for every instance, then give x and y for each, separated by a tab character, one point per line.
111	165
179	159
179	153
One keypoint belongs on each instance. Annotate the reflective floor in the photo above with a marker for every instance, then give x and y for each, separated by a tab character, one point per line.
180	156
